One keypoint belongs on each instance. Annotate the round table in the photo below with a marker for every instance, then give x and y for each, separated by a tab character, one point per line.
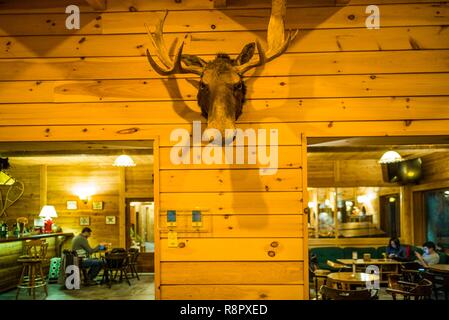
443	268
346	279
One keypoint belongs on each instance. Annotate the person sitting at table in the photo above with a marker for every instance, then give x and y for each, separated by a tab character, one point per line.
429	257
395	250
81	245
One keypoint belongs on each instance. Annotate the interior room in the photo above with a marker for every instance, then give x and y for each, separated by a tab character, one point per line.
364	191
54	190
224	150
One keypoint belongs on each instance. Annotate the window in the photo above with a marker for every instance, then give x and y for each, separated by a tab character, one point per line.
436	204
355	212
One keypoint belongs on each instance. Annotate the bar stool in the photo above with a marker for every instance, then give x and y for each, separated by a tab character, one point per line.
32	274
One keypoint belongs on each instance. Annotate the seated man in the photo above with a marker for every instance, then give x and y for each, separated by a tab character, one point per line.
81	245
430	256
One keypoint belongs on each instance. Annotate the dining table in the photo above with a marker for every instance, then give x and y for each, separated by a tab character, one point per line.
348	279
441	268
386	266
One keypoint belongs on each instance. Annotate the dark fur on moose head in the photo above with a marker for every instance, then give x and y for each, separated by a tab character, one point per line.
220	65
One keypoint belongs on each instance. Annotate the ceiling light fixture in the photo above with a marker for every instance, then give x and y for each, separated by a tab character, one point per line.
124	161
390	157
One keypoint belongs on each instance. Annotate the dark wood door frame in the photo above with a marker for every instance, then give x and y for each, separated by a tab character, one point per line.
127	215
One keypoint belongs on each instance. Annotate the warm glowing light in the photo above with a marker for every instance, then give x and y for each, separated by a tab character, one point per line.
84	191
362	199
124	161
391	199
48	212
390	157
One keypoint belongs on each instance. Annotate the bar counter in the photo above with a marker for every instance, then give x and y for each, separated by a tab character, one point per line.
12	247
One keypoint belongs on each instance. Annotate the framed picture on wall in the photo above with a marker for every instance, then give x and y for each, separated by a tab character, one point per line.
72	205
97	205
84	221
110	219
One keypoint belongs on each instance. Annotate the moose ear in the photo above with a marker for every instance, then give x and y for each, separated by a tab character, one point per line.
246	54
191	60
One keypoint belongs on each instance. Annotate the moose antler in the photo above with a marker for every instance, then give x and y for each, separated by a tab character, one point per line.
158	45
277	44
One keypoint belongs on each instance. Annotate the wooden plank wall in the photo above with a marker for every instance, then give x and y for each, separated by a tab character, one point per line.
337	79
61	181
435	168
345	173
29	203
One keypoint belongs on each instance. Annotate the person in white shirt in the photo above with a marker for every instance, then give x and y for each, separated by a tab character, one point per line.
430	256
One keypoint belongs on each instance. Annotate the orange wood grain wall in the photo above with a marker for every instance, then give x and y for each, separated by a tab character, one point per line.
61	180
337	79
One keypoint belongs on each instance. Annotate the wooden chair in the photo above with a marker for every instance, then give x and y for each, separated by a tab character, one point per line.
440	283
336	265
329	293
32	275
318	275
413	276
133	255
419	291
115	262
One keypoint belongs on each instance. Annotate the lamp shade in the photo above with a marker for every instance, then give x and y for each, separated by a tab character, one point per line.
48	212
390	157
124	161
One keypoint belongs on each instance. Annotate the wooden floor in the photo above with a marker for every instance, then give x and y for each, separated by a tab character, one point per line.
142	289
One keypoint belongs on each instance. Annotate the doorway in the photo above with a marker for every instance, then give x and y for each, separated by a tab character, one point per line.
140	231
390	214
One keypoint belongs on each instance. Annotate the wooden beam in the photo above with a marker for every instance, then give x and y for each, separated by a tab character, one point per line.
43	186
122	208
97	4
219	3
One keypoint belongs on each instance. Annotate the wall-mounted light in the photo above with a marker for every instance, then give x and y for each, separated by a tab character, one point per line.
124	161
84	192
390	157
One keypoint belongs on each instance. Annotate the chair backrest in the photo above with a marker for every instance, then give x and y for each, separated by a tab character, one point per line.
118	250
115	260
335	265
330	293
413	276
133	255
36	249
423	290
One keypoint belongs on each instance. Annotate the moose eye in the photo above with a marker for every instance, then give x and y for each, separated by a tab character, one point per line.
238	86
203	86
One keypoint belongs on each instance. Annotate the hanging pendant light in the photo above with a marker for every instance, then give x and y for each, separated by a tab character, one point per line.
390	157
124	161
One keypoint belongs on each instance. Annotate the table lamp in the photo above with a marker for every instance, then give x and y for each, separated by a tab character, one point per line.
48	212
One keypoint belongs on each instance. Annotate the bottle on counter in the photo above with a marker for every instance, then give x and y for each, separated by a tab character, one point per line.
6	230
2	229
16	230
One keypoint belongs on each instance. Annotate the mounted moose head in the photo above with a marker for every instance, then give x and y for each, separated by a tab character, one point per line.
221	91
